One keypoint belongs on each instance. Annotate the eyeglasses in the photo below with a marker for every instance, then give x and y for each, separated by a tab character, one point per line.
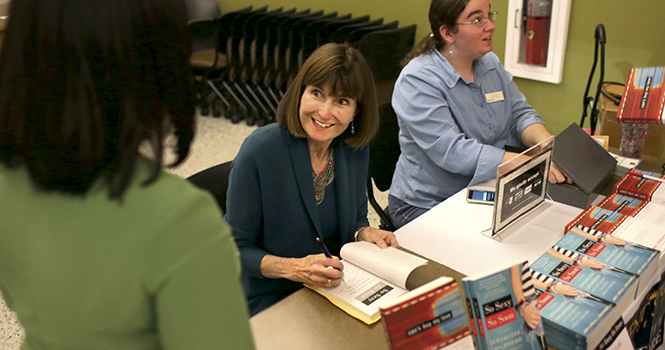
481	21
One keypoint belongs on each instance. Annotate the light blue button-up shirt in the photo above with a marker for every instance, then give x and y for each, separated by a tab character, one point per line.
453	131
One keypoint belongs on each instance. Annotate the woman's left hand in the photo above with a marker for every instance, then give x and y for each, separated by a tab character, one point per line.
382	238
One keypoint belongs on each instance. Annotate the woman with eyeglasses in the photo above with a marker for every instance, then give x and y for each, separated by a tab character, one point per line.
457	108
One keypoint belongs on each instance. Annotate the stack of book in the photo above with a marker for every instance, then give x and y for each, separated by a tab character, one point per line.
607	258
502	305
584	285
635	212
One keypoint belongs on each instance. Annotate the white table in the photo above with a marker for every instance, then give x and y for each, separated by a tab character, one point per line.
451	234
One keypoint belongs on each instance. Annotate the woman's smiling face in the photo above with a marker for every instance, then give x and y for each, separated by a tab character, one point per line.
324	116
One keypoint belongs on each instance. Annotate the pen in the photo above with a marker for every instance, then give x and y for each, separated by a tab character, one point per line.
649	177
325	251
323	248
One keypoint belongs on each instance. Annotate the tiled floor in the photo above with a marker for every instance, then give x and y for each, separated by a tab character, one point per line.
217	141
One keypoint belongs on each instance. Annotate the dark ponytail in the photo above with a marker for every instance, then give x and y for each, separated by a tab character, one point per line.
441	13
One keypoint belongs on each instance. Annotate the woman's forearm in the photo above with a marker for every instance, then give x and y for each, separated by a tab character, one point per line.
533	134
277	267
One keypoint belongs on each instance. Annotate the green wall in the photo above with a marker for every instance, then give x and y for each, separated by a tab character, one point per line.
635	38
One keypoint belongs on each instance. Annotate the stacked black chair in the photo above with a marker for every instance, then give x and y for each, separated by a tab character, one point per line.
342	34
213	73
207	61
254	40
325	32
300	32
264	50
384	50
360	32
243	106
266	44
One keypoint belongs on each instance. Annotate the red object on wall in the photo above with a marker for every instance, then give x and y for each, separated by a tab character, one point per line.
538	18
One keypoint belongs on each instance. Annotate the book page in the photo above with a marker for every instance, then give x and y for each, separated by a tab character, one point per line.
391	264
647	228
360	293
658	196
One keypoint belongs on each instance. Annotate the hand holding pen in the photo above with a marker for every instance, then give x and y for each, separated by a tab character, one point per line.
335	270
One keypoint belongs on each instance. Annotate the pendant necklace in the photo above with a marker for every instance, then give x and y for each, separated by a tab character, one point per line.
324	179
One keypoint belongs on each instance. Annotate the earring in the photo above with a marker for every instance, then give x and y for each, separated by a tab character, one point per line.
451	53
353	129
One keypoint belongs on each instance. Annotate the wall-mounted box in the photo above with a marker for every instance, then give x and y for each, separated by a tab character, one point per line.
536	39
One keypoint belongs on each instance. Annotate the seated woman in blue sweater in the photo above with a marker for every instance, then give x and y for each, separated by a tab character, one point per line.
305	178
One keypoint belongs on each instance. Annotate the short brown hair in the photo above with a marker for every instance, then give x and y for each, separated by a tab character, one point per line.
349	74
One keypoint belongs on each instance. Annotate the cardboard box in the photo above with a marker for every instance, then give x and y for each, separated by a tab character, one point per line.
655	142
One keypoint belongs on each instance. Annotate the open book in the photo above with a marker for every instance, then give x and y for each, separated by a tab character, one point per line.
371	275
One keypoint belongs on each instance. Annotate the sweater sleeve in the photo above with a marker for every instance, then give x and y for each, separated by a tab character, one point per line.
195	281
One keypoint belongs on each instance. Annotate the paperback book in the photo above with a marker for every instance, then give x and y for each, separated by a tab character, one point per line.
623	204
611	287
429	317
643	97
597	221
642	184
582	249
575	321
646	228
507	309
371	276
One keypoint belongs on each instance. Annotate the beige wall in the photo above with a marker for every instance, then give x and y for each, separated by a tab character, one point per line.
635	38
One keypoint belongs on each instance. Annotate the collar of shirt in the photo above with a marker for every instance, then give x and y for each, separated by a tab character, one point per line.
480	67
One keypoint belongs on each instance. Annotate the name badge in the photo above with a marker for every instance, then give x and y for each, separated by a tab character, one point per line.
494	96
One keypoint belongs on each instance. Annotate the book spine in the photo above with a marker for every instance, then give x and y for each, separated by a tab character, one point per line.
480	321
472	314
634	185
623	204
577	219
627	90
595	220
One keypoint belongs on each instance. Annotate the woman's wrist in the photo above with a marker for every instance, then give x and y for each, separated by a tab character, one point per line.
357	236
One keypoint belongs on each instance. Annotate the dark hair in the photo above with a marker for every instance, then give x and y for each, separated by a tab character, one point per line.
349	74
441	13
84	82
